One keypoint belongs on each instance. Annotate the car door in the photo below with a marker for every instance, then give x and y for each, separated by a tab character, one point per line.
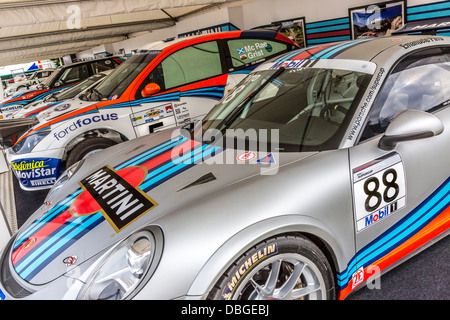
400	191
190	81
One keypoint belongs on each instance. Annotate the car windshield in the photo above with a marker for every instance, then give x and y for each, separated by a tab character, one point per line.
305	109
47	82
118	81
72	92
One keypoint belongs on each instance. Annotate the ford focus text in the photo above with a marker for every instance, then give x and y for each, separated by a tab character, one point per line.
324	167
164	85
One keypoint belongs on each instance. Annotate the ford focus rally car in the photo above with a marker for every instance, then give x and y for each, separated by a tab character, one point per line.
323	168
61	79
165	84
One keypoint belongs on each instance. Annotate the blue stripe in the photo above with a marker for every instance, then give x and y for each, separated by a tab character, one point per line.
428	15
40	223
328	40
328	29
429	7
326	23
63	237
167	169
152	153
339	48
400	232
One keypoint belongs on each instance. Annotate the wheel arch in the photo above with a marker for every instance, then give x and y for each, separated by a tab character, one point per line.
105	132
249	237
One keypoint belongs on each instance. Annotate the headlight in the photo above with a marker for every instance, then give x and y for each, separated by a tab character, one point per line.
121	272
64	177
27	145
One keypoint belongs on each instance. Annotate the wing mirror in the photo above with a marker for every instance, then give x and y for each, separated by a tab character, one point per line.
150	89
410	125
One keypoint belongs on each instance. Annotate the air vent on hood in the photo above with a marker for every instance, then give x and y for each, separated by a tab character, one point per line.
202	180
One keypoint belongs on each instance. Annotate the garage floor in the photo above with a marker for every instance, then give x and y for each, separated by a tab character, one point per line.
424	277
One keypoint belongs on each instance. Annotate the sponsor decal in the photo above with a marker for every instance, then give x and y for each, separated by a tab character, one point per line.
10	109
363	110
246	156
70	260
252	260
36	172
115	194
419	42
379	190
357	277
62	107
266	160
84	122
152	114
2	295
290	64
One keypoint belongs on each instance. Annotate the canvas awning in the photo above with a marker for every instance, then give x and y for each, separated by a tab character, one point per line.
33	30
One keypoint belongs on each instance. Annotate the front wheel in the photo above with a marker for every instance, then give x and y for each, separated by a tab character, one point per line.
86	148
281	268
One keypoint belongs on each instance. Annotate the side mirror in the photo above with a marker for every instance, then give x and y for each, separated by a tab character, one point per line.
410	125
150	89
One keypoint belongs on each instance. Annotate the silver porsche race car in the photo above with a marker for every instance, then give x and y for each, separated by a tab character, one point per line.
325	167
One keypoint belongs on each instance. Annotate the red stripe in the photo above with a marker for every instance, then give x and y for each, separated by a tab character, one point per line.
328	34
41	235
306	54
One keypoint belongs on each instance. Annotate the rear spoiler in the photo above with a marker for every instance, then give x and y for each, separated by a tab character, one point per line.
431	27
9	127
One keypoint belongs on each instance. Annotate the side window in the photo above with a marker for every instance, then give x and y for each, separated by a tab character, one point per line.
194	63
74	74
103	65
245	51
421	81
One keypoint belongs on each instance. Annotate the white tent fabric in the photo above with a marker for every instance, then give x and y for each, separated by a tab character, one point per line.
37	29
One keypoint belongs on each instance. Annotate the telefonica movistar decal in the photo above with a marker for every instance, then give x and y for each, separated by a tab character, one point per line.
21	166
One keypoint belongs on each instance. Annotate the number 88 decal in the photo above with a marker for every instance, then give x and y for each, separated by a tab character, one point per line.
372	186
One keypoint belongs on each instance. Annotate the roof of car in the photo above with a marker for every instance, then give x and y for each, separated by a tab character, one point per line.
363	49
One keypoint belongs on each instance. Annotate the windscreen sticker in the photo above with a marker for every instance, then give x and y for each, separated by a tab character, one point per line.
379	190
152	114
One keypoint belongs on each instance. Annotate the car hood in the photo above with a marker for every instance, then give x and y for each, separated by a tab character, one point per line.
160	174
62	107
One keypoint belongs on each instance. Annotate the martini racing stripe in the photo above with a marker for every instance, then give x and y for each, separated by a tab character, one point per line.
40	223
58	230
46	251
402	231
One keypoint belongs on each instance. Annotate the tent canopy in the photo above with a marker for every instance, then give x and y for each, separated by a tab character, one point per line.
36	29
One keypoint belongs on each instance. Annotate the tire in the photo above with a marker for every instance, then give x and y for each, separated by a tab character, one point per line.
281	268
87	147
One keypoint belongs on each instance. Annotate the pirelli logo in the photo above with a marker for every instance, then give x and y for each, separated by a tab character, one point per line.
120	202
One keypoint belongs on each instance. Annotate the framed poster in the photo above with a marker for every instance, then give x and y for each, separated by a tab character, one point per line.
377	20
292	28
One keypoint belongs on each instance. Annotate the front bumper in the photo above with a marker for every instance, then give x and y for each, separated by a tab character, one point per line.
36	170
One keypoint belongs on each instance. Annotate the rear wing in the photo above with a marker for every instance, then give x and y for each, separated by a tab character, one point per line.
431	27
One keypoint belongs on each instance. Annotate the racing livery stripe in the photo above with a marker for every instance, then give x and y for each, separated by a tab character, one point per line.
429	219
58	229
56	244
49	216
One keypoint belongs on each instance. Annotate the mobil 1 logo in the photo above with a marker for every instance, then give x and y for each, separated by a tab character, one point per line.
379	190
